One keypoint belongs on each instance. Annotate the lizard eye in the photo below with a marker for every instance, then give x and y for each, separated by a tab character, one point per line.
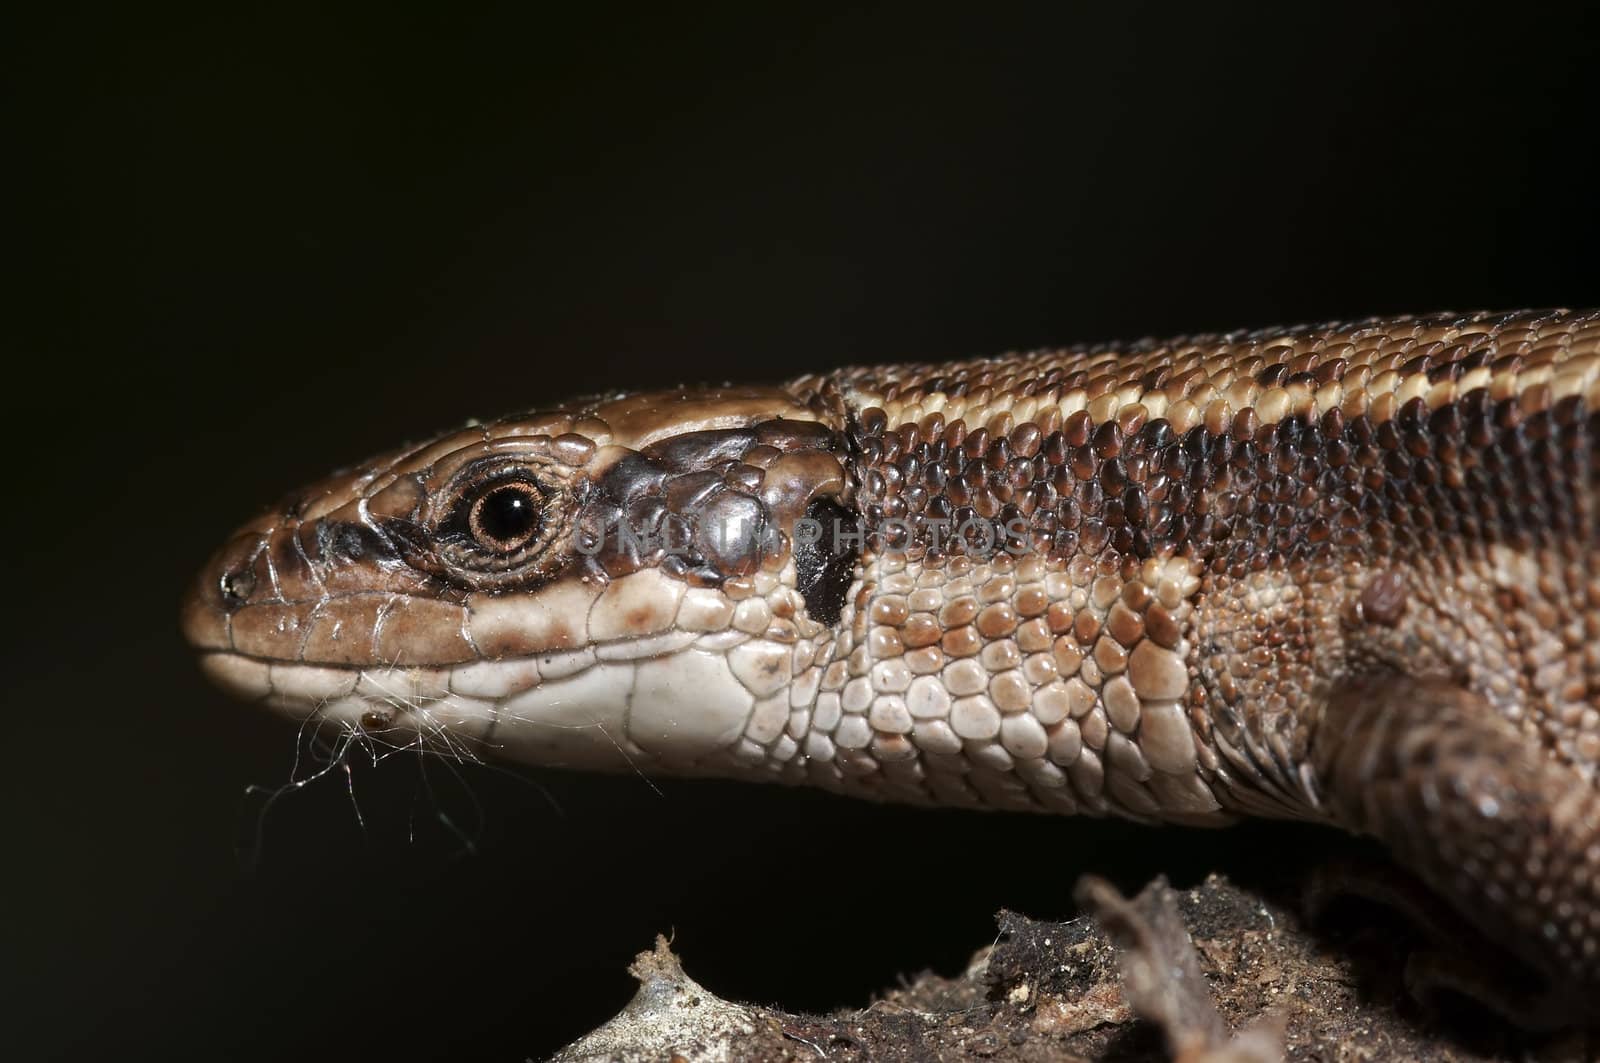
500	520
505	517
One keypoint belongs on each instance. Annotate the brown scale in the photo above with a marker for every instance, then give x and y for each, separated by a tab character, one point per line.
1406	508
707	506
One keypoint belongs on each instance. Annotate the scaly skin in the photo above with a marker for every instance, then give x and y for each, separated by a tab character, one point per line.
1348	573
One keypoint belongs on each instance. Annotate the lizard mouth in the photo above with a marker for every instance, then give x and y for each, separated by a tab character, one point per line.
641	672
671	703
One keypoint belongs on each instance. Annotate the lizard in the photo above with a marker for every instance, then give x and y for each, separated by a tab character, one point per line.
1346	573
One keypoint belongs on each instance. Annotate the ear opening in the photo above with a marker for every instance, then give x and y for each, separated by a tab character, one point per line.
825	562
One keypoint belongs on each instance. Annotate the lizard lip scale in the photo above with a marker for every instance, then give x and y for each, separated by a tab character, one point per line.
1347	573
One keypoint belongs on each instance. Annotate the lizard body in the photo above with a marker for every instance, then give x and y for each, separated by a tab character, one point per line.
1347	573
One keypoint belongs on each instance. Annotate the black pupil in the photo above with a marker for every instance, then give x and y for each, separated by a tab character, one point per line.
507	514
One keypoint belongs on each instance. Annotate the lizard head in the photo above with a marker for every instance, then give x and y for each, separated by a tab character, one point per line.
632	579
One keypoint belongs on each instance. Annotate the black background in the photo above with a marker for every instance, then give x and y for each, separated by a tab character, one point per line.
255	246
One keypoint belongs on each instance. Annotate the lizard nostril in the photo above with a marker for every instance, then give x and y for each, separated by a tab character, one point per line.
237	586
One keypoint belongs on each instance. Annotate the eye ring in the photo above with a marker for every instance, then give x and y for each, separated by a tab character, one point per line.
500	521
505	516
